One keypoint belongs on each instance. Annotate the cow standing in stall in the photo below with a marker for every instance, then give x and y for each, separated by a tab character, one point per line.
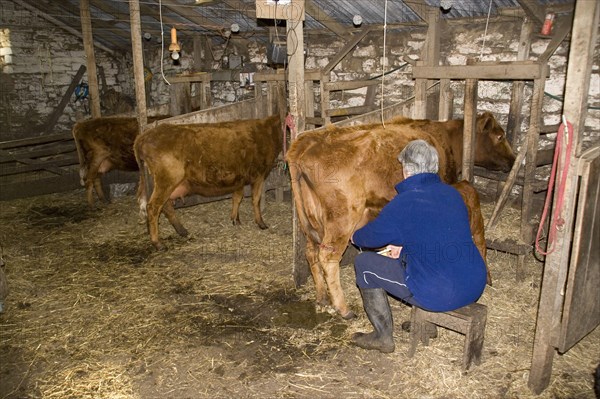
105	144
342	177
206	159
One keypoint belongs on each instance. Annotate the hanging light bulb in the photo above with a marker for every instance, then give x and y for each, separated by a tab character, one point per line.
174	47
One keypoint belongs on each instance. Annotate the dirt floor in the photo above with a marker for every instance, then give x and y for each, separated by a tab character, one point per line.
95	312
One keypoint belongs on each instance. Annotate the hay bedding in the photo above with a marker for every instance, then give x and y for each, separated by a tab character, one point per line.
95	312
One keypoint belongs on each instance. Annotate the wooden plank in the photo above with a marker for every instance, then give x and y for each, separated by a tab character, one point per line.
90	56
581	312
195	77
515	70
181	99
358	110
18	156
65	160
42	164
509	245
469	128
579	66
350	85
49	138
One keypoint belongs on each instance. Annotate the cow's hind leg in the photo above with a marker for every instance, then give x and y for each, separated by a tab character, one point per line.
257	191
169	212
236	198
312	256
330	255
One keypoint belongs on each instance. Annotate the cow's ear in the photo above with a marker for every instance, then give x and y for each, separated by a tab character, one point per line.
485	122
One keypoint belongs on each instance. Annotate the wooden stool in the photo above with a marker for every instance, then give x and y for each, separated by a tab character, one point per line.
469	320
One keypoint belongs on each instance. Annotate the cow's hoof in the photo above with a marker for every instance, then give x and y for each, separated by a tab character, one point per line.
262	226
159	246
182	232
349	316
236	222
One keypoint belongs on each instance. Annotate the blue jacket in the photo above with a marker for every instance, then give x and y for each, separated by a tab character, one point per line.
429	219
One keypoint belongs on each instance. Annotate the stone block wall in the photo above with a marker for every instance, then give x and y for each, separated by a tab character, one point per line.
38	61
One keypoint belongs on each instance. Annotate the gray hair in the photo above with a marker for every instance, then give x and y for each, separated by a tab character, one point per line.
419	157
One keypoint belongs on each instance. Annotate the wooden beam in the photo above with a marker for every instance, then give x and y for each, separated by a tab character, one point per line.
315	11
577	85
88	45
514	70
138	63
562	28
65	100
345	50
533	10
61	25
350	85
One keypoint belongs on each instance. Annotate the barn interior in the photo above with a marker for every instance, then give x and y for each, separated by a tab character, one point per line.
91	310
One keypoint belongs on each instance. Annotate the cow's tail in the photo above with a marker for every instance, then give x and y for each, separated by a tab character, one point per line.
307	204
142	192
82	164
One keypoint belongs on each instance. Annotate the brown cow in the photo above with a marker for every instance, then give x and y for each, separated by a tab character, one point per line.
206	159
342	177
104	144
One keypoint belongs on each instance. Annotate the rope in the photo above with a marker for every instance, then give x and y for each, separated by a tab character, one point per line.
383	62
162	42
486	29
557	221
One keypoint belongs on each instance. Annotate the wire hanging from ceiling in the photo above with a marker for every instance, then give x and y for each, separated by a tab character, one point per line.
487	21
162	43
383	61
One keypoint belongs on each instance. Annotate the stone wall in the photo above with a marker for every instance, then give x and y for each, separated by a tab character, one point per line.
38	61
38	64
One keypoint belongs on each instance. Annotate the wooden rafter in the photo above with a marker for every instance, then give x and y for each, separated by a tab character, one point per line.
320	15
533	10
419	7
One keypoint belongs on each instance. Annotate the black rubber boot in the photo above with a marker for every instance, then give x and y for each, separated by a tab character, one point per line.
377	307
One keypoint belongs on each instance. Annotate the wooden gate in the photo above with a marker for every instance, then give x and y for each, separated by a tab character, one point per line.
581	313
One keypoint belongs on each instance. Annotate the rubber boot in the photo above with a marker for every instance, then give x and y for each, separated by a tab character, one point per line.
377	307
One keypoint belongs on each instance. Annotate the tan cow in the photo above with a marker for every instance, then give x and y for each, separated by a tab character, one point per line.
206	159
342	177
104	144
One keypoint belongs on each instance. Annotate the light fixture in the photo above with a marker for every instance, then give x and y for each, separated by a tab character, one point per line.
357	20
235	28
174	47
147	36
446	5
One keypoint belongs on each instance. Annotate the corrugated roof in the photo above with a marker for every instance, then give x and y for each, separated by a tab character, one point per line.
111	23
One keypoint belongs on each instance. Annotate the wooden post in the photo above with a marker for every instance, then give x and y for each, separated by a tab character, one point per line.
65	100
446	104
533	138
325	98
516	101
577	85
138	63
88	45
469	128
430	56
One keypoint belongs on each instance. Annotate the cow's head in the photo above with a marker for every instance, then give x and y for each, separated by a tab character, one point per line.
492	150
